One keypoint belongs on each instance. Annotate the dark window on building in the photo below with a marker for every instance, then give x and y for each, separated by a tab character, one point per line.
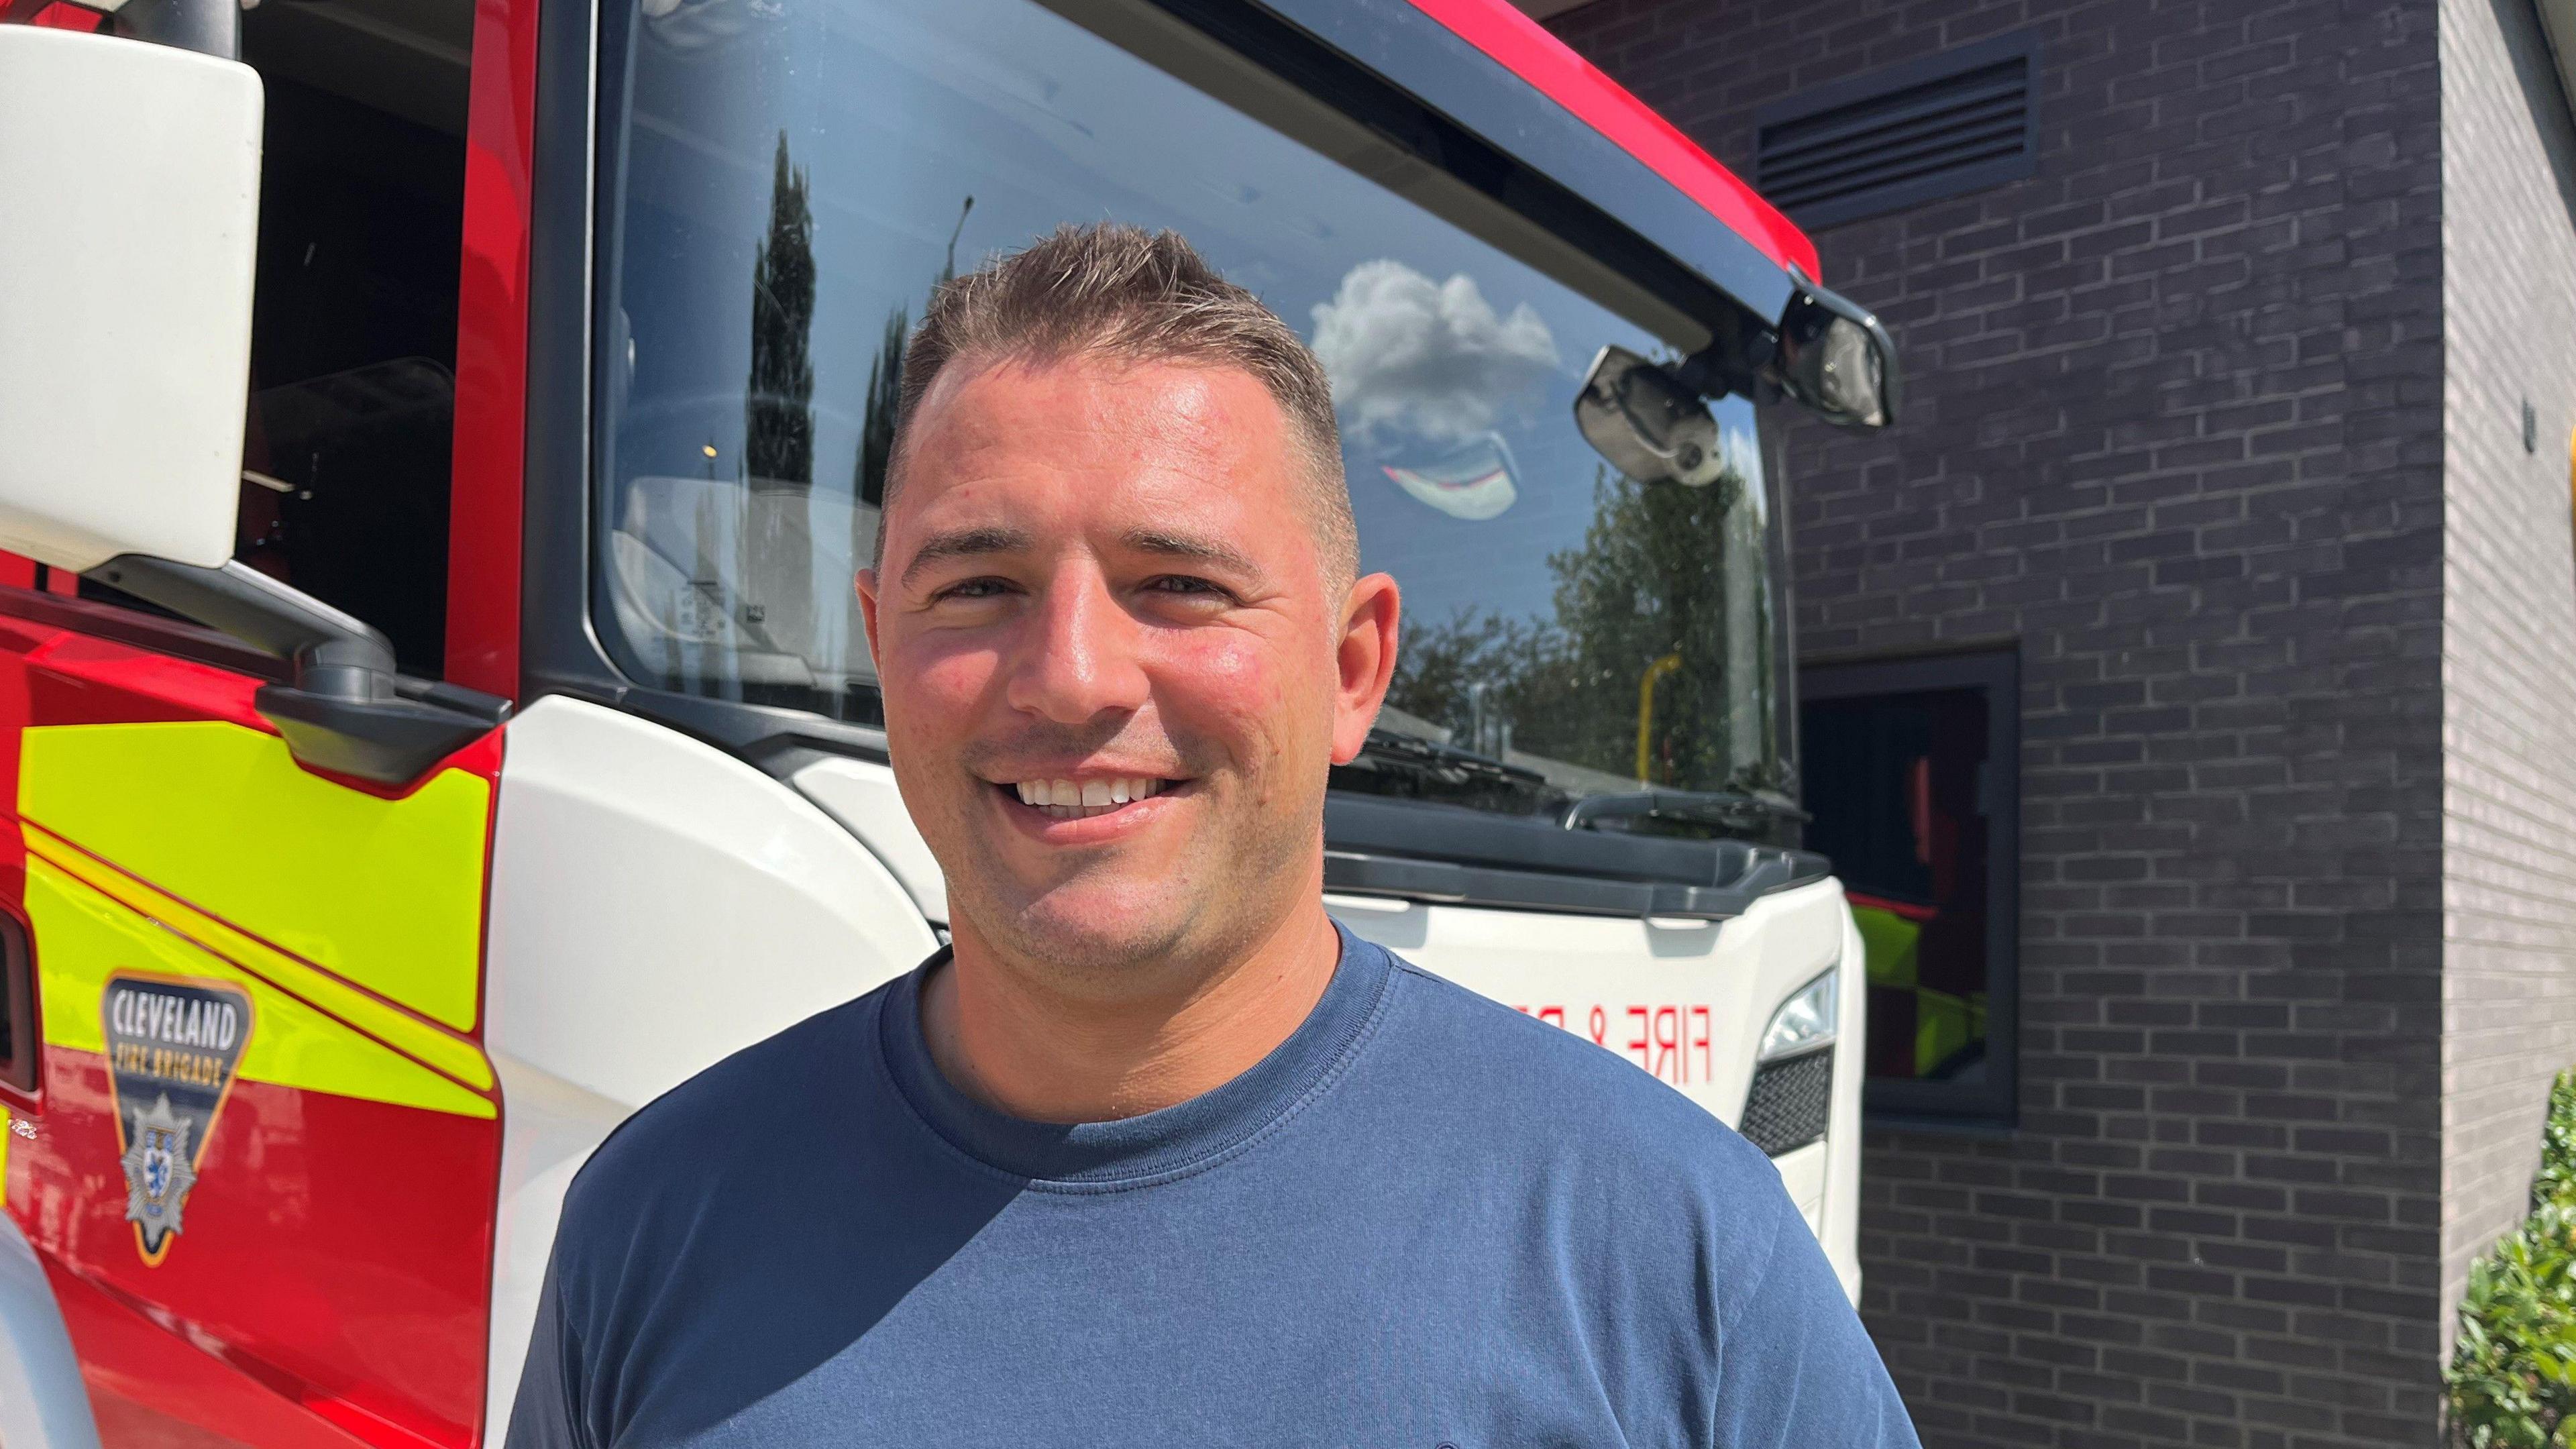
1909	769
1939	126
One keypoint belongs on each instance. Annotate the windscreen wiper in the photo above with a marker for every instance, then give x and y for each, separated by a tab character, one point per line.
1725	809
1418	753
1426	769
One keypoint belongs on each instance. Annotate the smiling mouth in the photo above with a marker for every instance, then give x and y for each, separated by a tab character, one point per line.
1080	800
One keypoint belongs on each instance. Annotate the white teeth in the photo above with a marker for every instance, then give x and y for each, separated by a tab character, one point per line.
1066	800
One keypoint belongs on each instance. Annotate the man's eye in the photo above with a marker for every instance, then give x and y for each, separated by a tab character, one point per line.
1183	584
974	589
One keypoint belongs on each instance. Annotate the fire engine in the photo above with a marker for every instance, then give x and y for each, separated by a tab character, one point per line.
436	441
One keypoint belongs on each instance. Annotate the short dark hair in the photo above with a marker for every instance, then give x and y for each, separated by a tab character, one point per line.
1145	296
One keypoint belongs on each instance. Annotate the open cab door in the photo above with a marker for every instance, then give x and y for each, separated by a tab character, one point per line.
242	889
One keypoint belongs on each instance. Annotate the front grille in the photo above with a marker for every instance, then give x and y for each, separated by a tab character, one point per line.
1791	1103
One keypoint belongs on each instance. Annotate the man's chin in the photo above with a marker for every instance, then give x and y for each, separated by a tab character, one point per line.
1089	930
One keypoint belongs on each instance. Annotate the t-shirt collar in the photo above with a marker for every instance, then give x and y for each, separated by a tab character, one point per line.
1137	1150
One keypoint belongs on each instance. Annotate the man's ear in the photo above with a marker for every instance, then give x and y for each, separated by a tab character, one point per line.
867	586
1366	660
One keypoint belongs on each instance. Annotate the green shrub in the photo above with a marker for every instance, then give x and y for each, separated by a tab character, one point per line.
2512	1376
2556	1180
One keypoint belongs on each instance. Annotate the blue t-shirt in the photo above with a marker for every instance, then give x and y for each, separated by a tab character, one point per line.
1424	1221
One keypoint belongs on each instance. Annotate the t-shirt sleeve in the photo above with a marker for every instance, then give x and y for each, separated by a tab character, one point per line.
1795	1368
542	1416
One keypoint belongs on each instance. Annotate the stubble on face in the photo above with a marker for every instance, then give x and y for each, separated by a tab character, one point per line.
1131	585
1103	922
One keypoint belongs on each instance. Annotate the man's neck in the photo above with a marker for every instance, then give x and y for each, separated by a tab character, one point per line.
1008	1039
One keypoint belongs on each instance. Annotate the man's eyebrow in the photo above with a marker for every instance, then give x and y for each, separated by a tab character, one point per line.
966	543
1193	547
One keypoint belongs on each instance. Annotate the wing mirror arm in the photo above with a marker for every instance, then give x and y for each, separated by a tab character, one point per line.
346	710
333	653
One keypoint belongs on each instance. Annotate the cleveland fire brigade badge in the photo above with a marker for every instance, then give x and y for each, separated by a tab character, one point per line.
172	1047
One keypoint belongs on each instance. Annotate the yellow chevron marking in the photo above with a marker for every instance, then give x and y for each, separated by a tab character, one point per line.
386	893
454	1055
84	934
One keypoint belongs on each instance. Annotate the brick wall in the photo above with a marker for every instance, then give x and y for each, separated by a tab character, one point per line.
2174	425
2509	624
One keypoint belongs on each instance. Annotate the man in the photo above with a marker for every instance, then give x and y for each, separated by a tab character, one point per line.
1154	1153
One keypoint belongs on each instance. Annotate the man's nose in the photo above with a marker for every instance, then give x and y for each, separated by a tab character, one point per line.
1077	659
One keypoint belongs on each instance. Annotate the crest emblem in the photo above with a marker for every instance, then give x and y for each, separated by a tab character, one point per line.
172	1047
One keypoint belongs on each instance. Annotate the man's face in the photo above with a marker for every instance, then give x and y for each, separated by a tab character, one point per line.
1114	663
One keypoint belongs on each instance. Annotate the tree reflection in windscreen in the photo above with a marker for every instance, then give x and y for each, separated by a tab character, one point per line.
790	179
1660	576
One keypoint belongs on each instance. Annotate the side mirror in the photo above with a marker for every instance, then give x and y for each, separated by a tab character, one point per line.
129	221
1646	423
1837	359
131	173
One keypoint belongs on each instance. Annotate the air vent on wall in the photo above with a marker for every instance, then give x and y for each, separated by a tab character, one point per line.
1899	137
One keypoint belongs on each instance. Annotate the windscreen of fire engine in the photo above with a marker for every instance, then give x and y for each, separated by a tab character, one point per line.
787	180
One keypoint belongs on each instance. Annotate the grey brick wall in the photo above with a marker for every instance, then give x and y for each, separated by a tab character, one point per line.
2174	425
2509	618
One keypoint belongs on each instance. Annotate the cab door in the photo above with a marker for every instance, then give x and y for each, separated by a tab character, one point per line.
256	1140
260	1153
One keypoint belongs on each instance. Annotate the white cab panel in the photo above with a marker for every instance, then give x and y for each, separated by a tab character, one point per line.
861	794
656	905
548	1128
1684	1000
1842	1202
1802	1170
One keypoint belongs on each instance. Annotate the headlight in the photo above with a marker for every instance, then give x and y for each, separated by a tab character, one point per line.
1804	1021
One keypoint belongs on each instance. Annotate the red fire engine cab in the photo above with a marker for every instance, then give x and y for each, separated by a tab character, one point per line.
436	440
